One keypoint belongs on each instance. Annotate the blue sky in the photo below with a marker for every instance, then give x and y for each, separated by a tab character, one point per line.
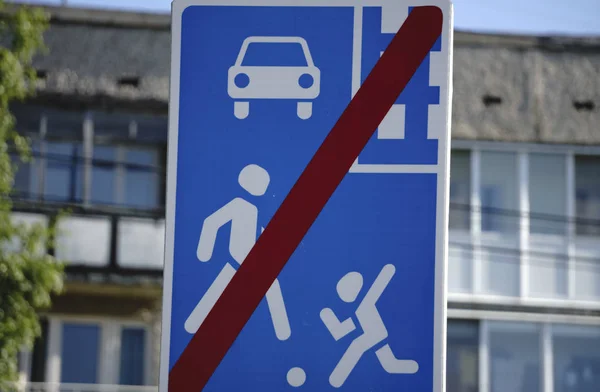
573	17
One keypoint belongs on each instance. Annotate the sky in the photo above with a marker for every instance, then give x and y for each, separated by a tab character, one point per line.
541	17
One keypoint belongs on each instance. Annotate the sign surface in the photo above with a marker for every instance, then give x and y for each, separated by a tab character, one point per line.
307	196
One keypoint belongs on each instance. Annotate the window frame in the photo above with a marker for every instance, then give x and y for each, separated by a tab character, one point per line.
88	139
549	326
109	365
476	240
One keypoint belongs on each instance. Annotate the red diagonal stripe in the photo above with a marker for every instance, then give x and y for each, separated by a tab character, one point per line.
306	199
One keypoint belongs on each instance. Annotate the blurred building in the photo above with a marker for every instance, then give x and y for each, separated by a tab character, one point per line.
524	259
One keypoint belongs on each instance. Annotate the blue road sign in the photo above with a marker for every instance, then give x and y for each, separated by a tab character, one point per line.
256	88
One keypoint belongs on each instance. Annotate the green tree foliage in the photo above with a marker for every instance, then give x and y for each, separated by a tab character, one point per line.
28	275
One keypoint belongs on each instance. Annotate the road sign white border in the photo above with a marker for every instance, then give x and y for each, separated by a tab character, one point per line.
177	9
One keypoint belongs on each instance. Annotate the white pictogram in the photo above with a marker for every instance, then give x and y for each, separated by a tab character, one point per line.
300	82
374	330
243	216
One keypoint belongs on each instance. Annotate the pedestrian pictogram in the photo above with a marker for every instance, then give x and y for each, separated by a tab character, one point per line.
243	217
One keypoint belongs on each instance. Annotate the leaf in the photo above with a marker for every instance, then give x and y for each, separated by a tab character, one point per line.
29	277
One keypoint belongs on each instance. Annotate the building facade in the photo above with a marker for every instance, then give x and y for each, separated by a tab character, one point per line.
524	255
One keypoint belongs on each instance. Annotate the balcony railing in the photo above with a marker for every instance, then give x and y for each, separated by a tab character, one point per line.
66	387
102	240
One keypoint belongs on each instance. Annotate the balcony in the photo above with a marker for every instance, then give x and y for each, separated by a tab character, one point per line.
63	387
524	225
95	240
107	171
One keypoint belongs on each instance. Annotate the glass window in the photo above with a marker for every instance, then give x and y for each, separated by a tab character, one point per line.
25	180
80	353
499	192
515	364
576	359
587	194
103	175
62	169
132	356
460	189
141	178
462	363
547	193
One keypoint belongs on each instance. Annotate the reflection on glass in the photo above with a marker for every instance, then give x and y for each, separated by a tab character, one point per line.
103	175
499	192
462	363
141	178
577	359
460	189
515	364
587	195
547	195
132	356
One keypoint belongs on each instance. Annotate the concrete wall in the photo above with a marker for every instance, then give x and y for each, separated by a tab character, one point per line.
537	79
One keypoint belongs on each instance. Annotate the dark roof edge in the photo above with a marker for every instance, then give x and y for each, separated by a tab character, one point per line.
162	21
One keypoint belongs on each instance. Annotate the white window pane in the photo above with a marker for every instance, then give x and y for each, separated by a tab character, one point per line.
141	243
84	240
547	193
28	220
548	266
587	268
462	364
501	269
460	264
460	189
499	191
515	364
576	359
587	194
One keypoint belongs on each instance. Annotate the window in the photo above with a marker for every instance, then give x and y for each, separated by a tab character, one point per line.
515	364
587	195
499	192
547	193
62	171
103	175
132	356
24	188
576	352
120	175
54	174
80	353
462	363
460	190
93	351
125	175
142	178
